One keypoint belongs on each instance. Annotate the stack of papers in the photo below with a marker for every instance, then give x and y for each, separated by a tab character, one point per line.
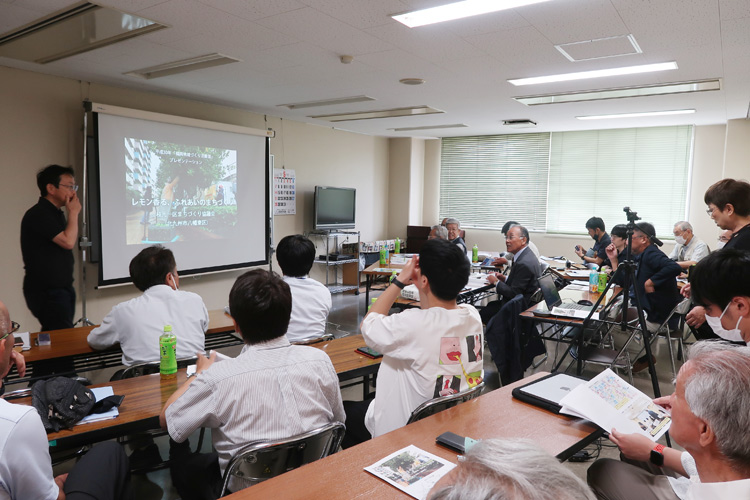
412	470
101	393
610	402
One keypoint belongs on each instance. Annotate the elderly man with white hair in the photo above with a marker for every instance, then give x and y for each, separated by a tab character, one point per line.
438	232
454	232
497	469
688	249
710	410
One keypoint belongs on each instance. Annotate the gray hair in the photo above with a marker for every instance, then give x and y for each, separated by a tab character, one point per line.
441	231
524	232
683	225
451	220
503	469
717	390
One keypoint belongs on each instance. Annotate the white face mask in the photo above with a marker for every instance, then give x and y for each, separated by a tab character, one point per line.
719	245
733	335
679	240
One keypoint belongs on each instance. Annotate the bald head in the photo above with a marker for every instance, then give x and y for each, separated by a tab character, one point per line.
4	319
6	345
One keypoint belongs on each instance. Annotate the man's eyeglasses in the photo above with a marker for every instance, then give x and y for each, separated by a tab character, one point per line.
13	328
72	187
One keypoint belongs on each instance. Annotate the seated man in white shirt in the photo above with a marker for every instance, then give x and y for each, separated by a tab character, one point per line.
137	324
710	411
426	351
311	300
688	249
25	467
273	390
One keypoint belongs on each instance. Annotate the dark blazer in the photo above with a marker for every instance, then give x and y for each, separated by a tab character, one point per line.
522	278
654	264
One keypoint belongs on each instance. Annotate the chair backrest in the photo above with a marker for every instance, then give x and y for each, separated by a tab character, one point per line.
266	459
444	402
314	340
152	367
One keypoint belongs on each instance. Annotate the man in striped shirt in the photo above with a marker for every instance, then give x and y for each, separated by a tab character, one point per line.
273	390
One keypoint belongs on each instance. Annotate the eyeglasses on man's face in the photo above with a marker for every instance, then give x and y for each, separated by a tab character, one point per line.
72	187
13	328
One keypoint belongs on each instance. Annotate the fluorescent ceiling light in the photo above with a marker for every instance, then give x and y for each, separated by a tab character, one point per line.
428	127
182	66
622	92
76	29
638	115
328	102
599	73
383	113
458	10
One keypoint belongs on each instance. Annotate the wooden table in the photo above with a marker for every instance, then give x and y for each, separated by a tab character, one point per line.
371	272
474	291
492	415
71	343
145	396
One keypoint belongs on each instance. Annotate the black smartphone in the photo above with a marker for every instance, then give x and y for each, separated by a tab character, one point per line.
455	442
370	353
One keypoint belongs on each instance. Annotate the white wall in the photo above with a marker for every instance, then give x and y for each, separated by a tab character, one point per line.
42	119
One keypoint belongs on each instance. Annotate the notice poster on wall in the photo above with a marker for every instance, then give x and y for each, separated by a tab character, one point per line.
284	192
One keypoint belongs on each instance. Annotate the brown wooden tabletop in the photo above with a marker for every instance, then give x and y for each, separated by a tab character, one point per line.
145	396
72	341
492	415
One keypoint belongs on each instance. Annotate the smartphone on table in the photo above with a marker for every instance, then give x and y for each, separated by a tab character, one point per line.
368	352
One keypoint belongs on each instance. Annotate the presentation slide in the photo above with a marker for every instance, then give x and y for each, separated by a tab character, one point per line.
193	188
200	192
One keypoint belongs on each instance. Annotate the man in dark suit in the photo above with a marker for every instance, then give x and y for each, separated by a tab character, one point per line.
655	280
523	273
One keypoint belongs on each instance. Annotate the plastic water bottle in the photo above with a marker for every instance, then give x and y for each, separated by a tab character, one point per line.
602	282
383	256
168	353
593	281
398	246
475	253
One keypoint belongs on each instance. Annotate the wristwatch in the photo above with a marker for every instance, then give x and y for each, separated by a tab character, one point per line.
398	283
657	457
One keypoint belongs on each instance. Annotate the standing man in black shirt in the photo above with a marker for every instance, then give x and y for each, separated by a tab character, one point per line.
47	241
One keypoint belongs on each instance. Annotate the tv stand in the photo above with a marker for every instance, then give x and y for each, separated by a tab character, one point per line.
350	266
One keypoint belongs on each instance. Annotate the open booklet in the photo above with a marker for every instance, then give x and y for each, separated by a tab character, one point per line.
412	470
610	402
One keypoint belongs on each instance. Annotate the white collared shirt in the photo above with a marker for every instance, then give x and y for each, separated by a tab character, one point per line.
273	390
311	301
138	323
695	250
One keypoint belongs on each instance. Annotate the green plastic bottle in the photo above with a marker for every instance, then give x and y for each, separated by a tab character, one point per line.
475	253
398	245
372	301
168	353
383	256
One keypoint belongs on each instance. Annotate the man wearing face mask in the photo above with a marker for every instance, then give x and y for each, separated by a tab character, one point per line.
723	239
721	284
689	249
137	324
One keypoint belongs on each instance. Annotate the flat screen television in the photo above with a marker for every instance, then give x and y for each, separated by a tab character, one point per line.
334	207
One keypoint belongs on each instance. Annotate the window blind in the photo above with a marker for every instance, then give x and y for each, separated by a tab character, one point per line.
488	180
598	172
555	182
